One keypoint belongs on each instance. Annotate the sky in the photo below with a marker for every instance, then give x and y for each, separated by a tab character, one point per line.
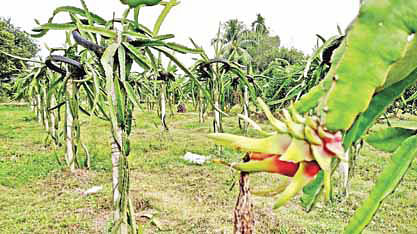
296	22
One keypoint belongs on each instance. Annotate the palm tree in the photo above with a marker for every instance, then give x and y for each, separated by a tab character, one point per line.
236	39
259	25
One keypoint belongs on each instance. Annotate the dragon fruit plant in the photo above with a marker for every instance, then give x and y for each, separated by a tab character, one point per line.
109	91
373	65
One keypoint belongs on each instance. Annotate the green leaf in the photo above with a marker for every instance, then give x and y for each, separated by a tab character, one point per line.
178	63
385	185
131	93
87	13
310	100
164	37
389	139
136	16
151	58
54	26
96	82
162	16
107	63
182	49
120	103
136	55
146	37
40	34
101	105
287	98
20	58
122	62
100	30
311	192
390	64
136	35
377	107
403	67
364	66
78	11
407	124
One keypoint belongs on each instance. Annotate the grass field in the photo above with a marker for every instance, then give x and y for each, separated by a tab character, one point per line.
38	195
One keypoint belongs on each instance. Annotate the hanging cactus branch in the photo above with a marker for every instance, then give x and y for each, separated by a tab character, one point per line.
99	50
58	58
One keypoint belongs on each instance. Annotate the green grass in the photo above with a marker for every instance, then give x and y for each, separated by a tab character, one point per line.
23	157
38	195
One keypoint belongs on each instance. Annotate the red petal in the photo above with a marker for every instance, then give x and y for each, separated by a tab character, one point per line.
285	168
260	156
311	169
334	148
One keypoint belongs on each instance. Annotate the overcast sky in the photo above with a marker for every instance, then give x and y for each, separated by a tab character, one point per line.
295	21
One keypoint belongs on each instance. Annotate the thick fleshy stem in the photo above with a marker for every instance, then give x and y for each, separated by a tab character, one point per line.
243	217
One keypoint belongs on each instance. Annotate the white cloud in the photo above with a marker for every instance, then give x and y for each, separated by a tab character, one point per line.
295	21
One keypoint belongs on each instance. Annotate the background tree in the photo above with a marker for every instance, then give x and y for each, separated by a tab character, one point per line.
259	25
235	39
266	47
13	41
256	46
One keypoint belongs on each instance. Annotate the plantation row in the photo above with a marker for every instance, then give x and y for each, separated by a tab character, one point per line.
319	108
